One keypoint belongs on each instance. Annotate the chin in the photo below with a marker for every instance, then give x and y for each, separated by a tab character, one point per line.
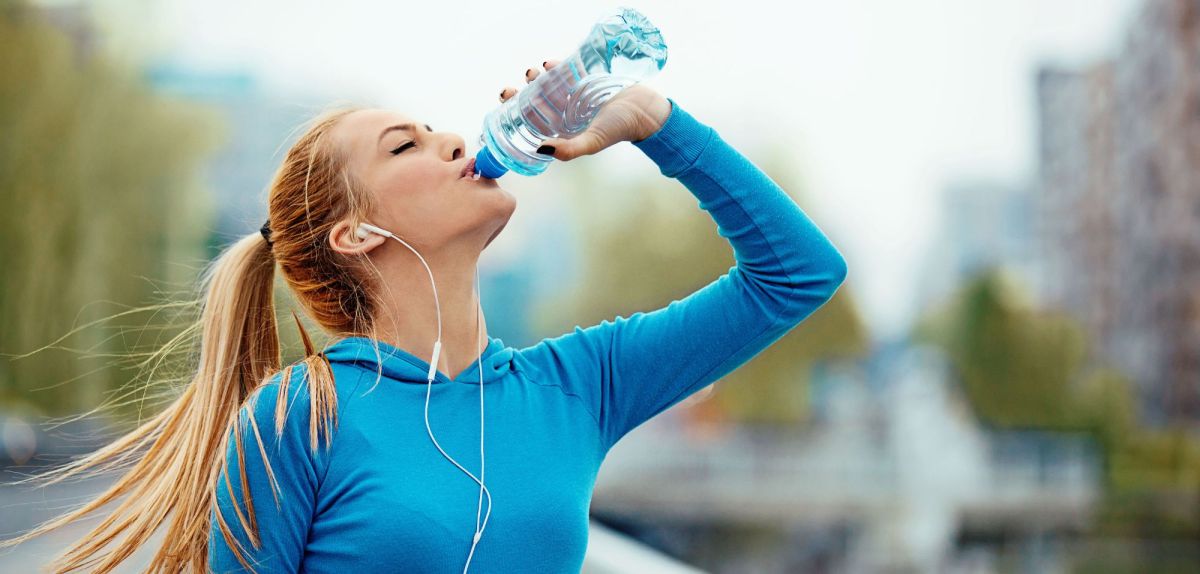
505	202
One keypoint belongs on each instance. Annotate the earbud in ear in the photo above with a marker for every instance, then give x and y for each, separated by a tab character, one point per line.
366	229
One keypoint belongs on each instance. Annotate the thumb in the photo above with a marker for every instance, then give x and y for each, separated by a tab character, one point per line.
566	149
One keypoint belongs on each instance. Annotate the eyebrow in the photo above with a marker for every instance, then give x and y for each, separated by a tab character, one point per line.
403	127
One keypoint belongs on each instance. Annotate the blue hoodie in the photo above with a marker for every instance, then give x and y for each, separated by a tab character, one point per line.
383	499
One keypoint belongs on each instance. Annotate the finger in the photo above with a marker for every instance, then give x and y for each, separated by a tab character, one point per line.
531	74
550	64
586	143
507	93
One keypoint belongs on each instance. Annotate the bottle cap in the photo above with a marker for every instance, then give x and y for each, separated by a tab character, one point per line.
487	166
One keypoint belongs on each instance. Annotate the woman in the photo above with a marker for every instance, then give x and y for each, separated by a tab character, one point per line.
339	474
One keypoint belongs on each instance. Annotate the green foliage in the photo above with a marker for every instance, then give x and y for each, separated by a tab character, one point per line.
1153	478
1022	367
1106	396
648	243
1016	363
102	206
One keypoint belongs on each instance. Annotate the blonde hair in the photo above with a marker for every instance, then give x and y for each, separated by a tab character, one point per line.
173	483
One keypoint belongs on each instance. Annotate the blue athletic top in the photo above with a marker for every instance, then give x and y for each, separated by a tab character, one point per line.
383	499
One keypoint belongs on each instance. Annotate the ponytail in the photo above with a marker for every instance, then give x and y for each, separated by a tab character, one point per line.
184	445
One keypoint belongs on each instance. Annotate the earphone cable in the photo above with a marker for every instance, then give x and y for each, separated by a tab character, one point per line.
483	489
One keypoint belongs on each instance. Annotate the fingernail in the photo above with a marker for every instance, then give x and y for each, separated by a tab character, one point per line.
528	71
501	95
544	63
546	150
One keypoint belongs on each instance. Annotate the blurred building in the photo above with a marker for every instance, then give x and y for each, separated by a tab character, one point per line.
1119	217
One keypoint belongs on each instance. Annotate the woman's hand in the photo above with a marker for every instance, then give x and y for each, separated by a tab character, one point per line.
633	114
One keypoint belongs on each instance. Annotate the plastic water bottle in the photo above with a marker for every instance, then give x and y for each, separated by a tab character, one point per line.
622	49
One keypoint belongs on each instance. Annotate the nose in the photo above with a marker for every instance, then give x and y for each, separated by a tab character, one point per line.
457	146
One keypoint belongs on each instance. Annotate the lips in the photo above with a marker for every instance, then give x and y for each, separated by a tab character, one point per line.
469	169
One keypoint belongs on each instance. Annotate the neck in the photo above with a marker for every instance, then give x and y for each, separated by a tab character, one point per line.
406	316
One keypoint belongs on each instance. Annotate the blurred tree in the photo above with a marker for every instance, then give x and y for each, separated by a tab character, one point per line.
101	194
1016	364
648	243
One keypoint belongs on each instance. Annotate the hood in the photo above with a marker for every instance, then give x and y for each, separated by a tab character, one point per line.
406	367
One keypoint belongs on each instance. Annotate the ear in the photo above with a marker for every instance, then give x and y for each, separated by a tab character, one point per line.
343	240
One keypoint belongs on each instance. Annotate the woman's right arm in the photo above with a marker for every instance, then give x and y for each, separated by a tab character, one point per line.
282	514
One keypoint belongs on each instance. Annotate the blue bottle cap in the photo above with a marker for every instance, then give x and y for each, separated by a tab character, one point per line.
487	166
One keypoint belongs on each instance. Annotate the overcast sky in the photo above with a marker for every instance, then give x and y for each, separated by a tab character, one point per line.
882	101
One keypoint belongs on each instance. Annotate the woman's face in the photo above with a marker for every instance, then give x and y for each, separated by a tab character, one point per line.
414	174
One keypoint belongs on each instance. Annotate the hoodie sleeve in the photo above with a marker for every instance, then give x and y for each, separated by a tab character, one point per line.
631	368
282	514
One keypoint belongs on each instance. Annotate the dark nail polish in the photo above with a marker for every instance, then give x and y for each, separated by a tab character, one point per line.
502	94
528	71
544	63
546	150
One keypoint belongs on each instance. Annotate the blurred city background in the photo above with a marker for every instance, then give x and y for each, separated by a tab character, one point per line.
1009	380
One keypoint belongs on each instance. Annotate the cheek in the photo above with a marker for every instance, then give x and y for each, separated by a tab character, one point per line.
406	202
399	185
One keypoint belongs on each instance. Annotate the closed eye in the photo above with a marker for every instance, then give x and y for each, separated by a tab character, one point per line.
403	147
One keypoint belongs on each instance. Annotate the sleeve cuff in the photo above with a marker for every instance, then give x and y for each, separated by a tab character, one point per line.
676	145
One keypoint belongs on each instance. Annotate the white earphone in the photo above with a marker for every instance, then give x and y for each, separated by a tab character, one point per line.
364	231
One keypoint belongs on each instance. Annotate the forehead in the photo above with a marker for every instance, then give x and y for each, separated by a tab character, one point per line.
359	130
